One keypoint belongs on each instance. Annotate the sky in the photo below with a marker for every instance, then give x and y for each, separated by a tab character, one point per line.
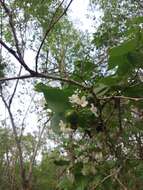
80	14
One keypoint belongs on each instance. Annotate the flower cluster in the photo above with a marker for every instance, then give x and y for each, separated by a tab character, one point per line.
75	99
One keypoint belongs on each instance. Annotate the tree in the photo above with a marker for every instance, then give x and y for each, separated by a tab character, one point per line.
95	109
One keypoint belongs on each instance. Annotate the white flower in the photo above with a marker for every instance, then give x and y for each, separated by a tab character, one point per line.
93	109
83	101
64	128
75	99
99	156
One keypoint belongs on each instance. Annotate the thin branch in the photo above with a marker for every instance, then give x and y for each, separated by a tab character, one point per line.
36	150
11	22
13	53
139	3
121	184
51	26
122	97
23	120
119	114
42	75
15	88
44	38
22	170
107	177
109	117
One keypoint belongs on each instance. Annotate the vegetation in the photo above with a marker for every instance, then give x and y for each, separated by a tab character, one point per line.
93	97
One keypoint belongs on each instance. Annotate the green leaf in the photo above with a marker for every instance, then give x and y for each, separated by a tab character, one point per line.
55	121
81	184
134	91
100	89
120	58
77	169
65	184
57	99
112	80
61	162
123	49
119	61
136	20
136	59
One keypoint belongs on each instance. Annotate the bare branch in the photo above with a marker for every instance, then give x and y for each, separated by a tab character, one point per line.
107	177
139	3
121	184
15	88
122	97
24	118
36	150
9	13
13	53
51	26
42	75
22	170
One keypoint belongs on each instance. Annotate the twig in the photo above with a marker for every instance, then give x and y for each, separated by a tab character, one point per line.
13	53
139	3
122	97
8	12
35	151
22	170
118	106
51	26
15	88
107	177
121	184
23	120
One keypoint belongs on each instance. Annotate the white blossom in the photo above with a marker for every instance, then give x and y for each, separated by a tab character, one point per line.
75	99
99	156
83	101
64	128
93	109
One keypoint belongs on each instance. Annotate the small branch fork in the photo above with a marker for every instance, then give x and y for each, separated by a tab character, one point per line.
17	54
50	27
115	175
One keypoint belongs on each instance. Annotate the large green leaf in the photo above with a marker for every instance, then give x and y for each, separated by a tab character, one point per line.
136	59
123	58
122	63
134	91
57	99
124	48
110	81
